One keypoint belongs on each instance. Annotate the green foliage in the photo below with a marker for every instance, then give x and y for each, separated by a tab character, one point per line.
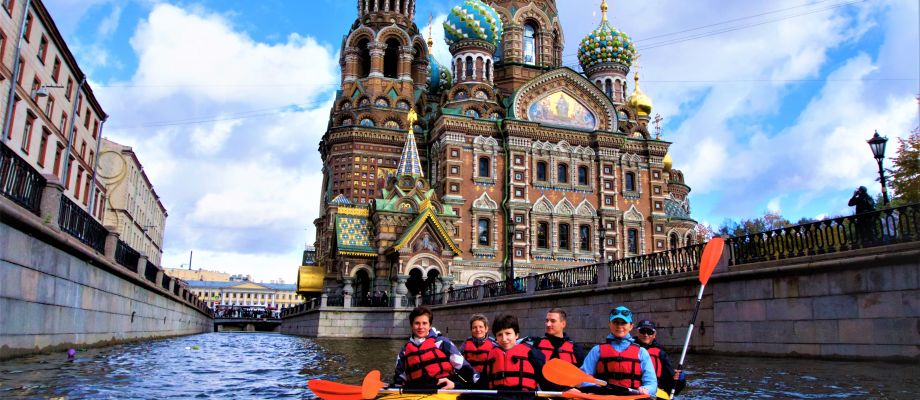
769	221
905	175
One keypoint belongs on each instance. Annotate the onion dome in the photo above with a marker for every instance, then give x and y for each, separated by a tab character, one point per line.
605	44
439	77
473	20
638	100
668	163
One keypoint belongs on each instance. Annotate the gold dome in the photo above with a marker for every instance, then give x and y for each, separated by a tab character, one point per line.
638	100
667	162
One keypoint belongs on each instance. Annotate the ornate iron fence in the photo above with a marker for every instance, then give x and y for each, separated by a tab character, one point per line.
19	181
464	294
504	288
370	301
433	298
335	301
668	262
150	272
165	282
126	256
79	224
567	278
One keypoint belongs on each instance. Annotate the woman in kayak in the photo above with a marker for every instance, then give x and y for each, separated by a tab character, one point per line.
620	361
476	348
512	365
430	360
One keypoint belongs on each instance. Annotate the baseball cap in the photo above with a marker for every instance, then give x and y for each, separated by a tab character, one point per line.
646	324
621	313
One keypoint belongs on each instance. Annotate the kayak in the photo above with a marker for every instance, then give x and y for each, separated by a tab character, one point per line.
397	394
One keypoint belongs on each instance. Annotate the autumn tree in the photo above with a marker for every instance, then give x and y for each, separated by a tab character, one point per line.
905	175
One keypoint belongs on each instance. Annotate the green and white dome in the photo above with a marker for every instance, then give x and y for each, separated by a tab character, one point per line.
473	20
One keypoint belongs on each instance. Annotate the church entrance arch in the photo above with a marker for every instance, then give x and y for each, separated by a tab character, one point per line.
415	283
425	274
362	285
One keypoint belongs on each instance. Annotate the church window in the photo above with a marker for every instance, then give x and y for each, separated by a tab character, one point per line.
689	239
483	232
530	44
469	68
564	236
630	182
391	59
632	241
367	122
402	105
542	234
582	175
619	89
541	171
392	125
364	102
673	241
488	68
562	173
657	189
472	113
484	167
364	59
584	236
481	95
460	95
608	88
382	103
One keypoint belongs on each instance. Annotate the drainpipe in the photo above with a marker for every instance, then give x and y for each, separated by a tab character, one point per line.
15	78
65	172
509	228
92	190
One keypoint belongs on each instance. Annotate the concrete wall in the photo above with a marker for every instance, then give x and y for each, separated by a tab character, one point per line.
361	322
56	293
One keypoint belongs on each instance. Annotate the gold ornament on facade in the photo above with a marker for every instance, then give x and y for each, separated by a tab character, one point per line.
667	162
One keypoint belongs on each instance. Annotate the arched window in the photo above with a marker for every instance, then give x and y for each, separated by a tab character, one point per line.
391	59
530	44
564	236
364	59
562	173
541	171
484	167
488	68
469	67
584	236
582	175
608	88
630	182
619	90
483	232
542	234
632	241
673	241
689	239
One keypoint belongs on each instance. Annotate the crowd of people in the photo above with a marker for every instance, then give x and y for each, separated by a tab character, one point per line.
508	362
245	312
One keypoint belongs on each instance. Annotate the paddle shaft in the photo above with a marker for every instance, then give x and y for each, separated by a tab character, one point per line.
683	353
471	391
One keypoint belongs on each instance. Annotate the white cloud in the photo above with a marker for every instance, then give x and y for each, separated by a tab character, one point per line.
209	139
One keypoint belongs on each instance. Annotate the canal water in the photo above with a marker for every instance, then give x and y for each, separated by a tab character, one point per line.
275	366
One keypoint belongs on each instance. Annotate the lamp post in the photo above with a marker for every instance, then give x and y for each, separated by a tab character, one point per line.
602	230
877	144
510	247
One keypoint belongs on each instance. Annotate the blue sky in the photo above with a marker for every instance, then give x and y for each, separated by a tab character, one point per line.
768	104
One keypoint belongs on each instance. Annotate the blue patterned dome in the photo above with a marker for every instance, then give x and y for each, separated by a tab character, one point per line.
473	20
605	44
439	77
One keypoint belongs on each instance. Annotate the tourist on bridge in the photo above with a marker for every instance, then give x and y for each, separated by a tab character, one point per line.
430	360
555	343
476	348
668	377
620	361
513	365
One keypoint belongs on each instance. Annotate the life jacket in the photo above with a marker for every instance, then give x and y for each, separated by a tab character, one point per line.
565	352
621	368
477	355
655	353
426	360
511	369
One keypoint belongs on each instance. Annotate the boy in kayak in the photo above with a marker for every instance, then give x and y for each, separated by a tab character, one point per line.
668	378
430	360
512	365
476	348
620	361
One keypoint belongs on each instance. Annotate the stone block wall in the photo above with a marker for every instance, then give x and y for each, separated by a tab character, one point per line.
384	323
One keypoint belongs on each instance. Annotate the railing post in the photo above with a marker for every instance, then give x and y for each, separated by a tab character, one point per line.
142	267
480	290
111	242
603	275
159	279
726	254
50	206
323	300
531	284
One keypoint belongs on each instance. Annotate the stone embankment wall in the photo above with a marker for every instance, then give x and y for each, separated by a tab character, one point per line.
358	322
57	293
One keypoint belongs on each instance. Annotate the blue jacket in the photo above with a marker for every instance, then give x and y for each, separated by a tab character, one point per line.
649	381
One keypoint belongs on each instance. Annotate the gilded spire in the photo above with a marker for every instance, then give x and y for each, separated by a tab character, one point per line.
408	162
430	41
604	10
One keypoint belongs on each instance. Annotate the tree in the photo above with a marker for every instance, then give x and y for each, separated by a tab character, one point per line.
704	232
769	221
905	175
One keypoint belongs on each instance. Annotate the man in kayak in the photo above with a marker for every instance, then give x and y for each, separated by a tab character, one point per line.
620	361
476	348
668	378
555	343
430	360
512	366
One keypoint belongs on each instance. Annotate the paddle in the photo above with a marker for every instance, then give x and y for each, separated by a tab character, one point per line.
565	374
711	255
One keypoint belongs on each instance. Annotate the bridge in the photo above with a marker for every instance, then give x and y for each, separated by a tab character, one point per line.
247	324
846	288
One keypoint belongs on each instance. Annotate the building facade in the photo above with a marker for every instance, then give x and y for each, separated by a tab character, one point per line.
499	164
50	116
274	296
197	274
131	207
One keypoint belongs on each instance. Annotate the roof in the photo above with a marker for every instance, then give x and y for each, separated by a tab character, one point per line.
674	210
409	233
351	233
230	284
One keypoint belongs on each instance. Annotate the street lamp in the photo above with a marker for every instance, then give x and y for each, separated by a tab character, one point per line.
877	144
510	275
602	230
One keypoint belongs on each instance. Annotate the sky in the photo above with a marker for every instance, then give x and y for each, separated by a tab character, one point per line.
768	104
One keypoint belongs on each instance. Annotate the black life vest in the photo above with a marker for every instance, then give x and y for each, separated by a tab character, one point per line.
477	355
512	369
426	360
565	352
621	368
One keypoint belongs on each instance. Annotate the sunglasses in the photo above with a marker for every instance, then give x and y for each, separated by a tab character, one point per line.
625	313
646	331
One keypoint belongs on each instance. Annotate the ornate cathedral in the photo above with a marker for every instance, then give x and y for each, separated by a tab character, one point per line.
499	164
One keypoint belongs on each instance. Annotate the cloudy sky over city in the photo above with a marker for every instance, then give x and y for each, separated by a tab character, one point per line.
768	104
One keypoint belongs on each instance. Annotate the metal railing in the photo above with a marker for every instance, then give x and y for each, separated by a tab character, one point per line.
19	181
567	278
433	298
504	288
335	301
150	272
464	294
370	301
79	224
165	282
126	256
668	262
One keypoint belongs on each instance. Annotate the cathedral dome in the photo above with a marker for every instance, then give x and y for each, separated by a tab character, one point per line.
668	163
473	20
639	101
438	76
605	44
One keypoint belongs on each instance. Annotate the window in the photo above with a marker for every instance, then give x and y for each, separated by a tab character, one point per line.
63	122
364	59
608	88
469	67
542	234
95	129
67	170
484	167
69	88
2	45
28	32
43	147
86	192
86	118
530	44
564	236
582	175
584	235
541	171
42	49
56	70
391	59
36	84
27	133
49	106
8	5
22	70
57	158
630	182
632	241
673	241
483	232
562	173
79	181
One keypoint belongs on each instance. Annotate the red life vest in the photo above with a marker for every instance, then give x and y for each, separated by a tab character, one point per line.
511	369
566	352
477	355
620	368
426	360
655	353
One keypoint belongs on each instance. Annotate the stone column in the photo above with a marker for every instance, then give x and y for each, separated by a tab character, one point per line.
405	63
400	289
111	242
376	51
349	73
323	300
531	283
142	266
50	205
347	290
603	274
448	288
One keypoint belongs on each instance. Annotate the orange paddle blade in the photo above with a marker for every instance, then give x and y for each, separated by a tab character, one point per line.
711	255
328	390
372	385
562	373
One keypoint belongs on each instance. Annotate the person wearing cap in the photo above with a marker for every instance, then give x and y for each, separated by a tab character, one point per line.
620	361
668	377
